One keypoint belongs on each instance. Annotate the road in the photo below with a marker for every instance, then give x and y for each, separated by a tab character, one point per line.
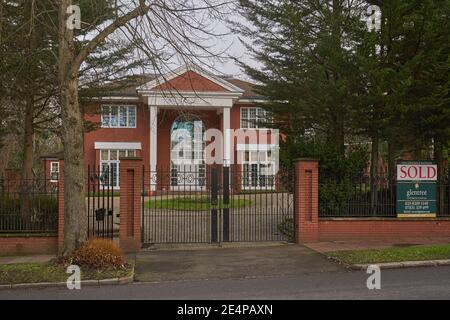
419	283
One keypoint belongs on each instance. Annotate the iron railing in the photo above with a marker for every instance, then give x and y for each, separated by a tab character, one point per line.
102	203
358	196
29	206
213	204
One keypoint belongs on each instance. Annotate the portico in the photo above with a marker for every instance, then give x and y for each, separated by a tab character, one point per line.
149	116
188	92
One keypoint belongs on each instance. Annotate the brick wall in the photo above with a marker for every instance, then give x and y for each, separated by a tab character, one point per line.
130	204
307	200
374	229
61	207
11	246
309	228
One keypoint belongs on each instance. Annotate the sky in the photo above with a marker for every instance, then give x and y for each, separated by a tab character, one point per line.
228	43
235	49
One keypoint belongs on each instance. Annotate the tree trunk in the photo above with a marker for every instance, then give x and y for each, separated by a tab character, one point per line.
8	144
392	149
75	226
439	158
27	176
75	218
339	136
374	173
336	29
28	142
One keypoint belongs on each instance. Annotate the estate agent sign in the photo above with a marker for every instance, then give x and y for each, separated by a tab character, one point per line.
416	189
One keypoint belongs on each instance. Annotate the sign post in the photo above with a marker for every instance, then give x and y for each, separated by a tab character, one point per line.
416	189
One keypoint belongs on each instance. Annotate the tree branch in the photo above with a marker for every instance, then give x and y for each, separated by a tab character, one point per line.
122	21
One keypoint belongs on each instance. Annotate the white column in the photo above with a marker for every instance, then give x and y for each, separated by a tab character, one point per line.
226	137
153	139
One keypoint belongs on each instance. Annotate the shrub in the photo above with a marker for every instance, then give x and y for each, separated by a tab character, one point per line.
39	203
98	254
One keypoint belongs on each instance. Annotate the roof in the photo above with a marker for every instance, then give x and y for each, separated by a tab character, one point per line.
55	156
248	87
128	86
190	78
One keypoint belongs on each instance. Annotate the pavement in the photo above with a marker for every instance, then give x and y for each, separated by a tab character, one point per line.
331	246
412	284
231	263
275	272
26	259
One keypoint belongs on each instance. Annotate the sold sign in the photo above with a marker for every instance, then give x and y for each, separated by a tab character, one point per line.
417	172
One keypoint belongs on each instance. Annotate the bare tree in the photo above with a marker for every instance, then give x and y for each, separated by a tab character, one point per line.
163	31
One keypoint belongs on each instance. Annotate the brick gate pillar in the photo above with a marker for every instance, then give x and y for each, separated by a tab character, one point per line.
306	200
130	204
61	207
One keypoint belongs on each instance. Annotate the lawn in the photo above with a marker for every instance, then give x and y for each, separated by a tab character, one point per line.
194	204
49	272
100	194
415	253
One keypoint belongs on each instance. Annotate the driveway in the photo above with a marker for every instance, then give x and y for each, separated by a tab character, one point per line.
231	263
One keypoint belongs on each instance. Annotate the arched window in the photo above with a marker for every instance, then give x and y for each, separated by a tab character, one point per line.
187	144
188	150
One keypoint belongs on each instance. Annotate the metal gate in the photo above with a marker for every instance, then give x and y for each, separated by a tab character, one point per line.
101	204
217	205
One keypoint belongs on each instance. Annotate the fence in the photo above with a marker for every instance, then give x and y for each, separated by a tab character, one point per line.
356	196
101	202
29	206
215	204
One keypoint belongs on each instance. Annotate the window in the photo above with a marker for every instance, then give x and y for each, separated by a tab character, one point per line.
54	171
254	118
118	116
110	165
188	152
259	170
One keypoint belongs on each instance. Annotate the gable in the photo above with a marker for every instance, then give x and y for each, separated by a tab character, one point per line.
190	81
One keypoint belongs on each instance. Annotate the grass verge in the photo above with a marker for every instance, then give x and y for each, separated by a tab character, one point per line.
194	204
415	253
52	273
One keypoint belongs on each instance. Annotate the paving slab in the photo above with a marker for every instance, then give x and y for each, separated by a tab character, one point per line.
231	263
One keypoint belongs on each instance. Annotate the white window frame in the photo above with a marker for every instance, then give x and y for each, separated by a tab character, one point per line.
110	106
109	162
250	162
52	172
249	121
193	155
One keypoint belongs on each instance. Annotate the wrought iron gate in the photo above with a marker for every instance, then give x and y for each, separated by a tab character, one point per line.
100	203
217	205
